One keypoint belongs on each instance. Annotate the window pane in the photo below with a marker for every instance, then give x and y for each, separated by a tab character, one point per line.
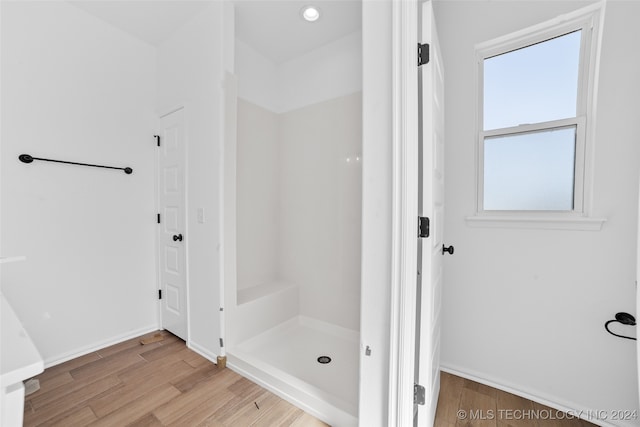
531	171
534	84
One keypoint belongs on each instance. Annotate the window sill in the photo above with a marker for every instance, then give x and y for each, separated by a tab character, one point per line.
540	223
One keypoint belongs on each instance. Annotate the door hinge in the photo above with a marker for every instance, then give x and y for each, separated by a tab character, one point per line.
159	293
157	137
423	226
423	54
221	343
158	218
418	394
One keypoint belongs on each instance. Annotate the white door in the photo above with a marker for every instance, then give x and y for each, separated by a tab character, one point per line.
171	234
430	205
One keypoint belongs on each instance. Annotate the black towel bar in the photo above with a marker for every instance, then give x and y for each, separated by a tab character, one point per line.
26	158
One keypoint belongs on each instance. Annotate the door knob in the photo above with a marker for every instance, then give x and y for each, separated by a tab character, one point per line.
177	238
447	249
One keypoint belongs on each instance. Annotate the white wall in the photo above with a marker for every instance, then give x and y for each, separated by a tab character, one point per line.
328	72
377	141
75	88
525	308
257	77
190	74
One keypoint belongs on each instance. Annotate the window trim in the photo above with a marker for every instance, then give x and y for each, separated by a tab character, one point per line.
588	20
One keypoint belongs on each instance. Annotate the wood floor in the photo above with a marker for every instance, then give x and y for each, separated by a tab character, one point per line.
166	384
158	384
467	403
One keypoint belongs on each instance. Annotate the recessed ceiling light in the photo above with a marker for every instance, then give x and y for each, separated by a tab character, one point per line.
310	13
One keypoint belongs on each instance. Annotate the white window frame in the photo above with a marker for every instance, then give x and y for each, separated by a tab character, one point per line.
588	20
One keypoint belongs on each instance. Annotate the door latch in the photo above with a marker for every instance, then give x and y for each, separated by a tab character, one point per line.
423	226
418	394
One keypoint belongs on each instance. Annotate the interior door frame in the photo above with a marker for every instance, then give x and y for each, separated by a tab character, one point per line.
638	281
404	212
156	168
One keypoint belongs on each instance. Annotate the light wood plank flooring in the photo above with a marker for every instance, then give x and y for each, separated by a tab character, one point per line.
158	384
166	384
465	403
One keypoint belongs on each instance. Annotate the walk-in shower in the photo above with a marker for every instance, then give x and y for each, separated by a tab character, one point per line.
294	183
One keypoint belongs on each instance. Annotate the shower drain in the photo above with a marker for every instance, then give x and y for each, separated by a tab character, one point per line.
324	359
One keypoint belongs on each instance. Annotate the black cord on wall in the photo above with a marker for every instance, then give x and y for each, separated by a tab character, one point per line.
623	318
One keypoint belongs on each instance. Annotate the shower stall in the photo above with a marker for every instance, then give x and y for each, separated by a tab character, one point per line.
293	190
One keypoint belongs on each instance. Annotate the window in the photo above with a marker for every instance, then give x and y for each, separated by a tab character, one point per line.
534	111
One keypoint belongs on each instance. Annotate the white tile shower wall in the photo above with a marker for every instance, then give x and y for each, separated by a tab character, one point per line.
75	88
321	197
315	236
299	204
258	195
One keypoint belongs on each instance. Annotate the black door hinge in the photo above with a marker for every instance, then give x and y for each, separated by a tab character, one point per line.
158	218
157	137
423	226
423	54
418	394
159	293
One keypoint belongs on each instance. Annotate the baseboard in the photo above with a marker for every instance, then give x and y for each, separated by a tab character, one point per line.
212	357
56	360
550	401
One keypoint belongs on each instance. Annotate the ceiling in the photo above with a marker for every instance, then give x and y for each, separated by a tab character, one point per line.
150	20
273	28
277	30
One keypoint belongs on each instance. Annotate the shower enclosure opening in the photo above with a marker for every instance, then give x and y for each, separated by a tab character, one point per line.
293	189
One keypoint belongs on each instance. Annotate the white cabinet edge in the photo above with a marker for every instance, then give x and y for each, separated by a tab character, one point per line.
20	357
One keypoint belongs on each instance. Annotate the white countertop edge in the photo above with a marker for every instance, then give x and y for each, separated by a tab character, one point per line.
8	259
22	374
